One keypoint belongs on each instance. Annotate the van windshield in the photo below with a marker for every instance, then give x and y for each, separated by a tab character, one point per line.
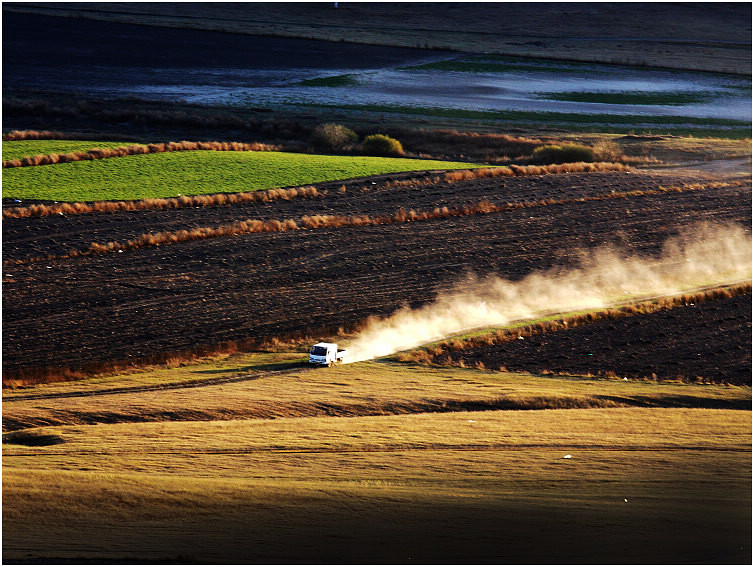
319	350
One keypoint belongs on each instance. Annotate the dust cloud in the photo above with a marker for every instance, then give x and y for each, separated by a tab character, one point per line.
702	255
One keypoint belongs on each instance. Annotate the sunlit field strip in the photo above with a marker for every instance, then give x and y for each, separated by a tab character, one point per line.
18	149
196	173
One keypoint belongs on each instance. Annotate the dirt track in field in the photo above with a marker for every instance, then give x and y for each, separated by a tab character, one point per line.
132	306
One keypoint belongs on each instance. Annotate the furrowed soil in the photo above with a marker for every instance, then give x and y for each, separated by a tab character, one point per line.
139	305
710	340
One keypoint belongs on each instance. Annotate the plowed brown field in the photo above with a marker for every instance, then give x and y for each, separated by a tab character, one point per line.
708	341
89	310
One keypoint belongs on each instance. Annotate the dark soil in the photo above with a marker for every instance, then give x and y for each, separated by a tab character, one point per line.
87	311
57	235
710	340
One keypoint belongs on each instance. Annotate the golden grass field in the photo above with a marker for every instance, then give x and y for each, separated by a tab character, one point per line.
347	472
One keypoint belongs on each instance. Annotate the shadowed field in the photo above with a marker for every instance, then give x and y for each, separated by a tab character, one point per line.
486	486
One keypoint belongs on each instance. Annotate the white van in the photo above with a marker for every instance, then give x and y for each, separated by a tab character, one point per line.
326	354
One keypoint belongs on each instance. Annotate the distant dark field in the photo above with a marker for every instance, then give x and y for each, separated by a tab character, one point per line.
89	56
696	36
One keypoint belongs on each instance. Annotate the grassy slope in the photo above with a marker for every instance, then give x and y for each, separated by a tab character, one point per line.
361	388
461	486
391	488
195	173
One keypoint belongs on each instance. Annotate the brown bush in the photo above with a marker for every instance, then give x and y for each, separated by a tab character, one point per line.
607	150
17	135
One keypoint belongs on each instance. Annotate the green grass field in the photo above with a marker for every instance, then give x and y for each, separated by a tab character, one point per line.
23	148
195	173
315	485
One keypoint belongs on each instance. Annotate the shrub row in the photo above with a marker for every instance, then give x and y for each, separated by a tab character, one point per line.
18	135
442	353
252	226
137	149
336	137
338	221
512	171
324	221
219	199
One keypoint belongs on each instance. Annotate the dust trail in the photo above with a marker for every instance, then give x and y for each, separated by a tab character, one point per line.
702	255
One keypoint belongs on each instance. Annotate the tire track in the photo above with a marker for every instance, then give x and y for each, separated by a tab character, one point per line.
198	383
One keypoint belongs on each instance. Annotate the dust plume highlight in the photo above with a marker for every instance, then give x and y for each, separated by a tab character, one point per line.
699	256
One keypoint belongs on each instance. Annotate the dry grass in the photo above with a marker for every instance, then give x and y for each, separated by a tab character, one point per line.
360	389
430	486
220	199
17	135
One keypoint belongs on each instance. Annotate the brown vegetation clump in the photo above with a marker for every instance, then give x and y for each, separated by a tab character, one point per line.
17	135
607	150
326	221
219	199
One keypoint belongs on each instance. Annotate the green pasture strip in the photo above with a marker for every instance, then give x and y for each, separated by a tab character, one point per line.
196	173
23	148
640	98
